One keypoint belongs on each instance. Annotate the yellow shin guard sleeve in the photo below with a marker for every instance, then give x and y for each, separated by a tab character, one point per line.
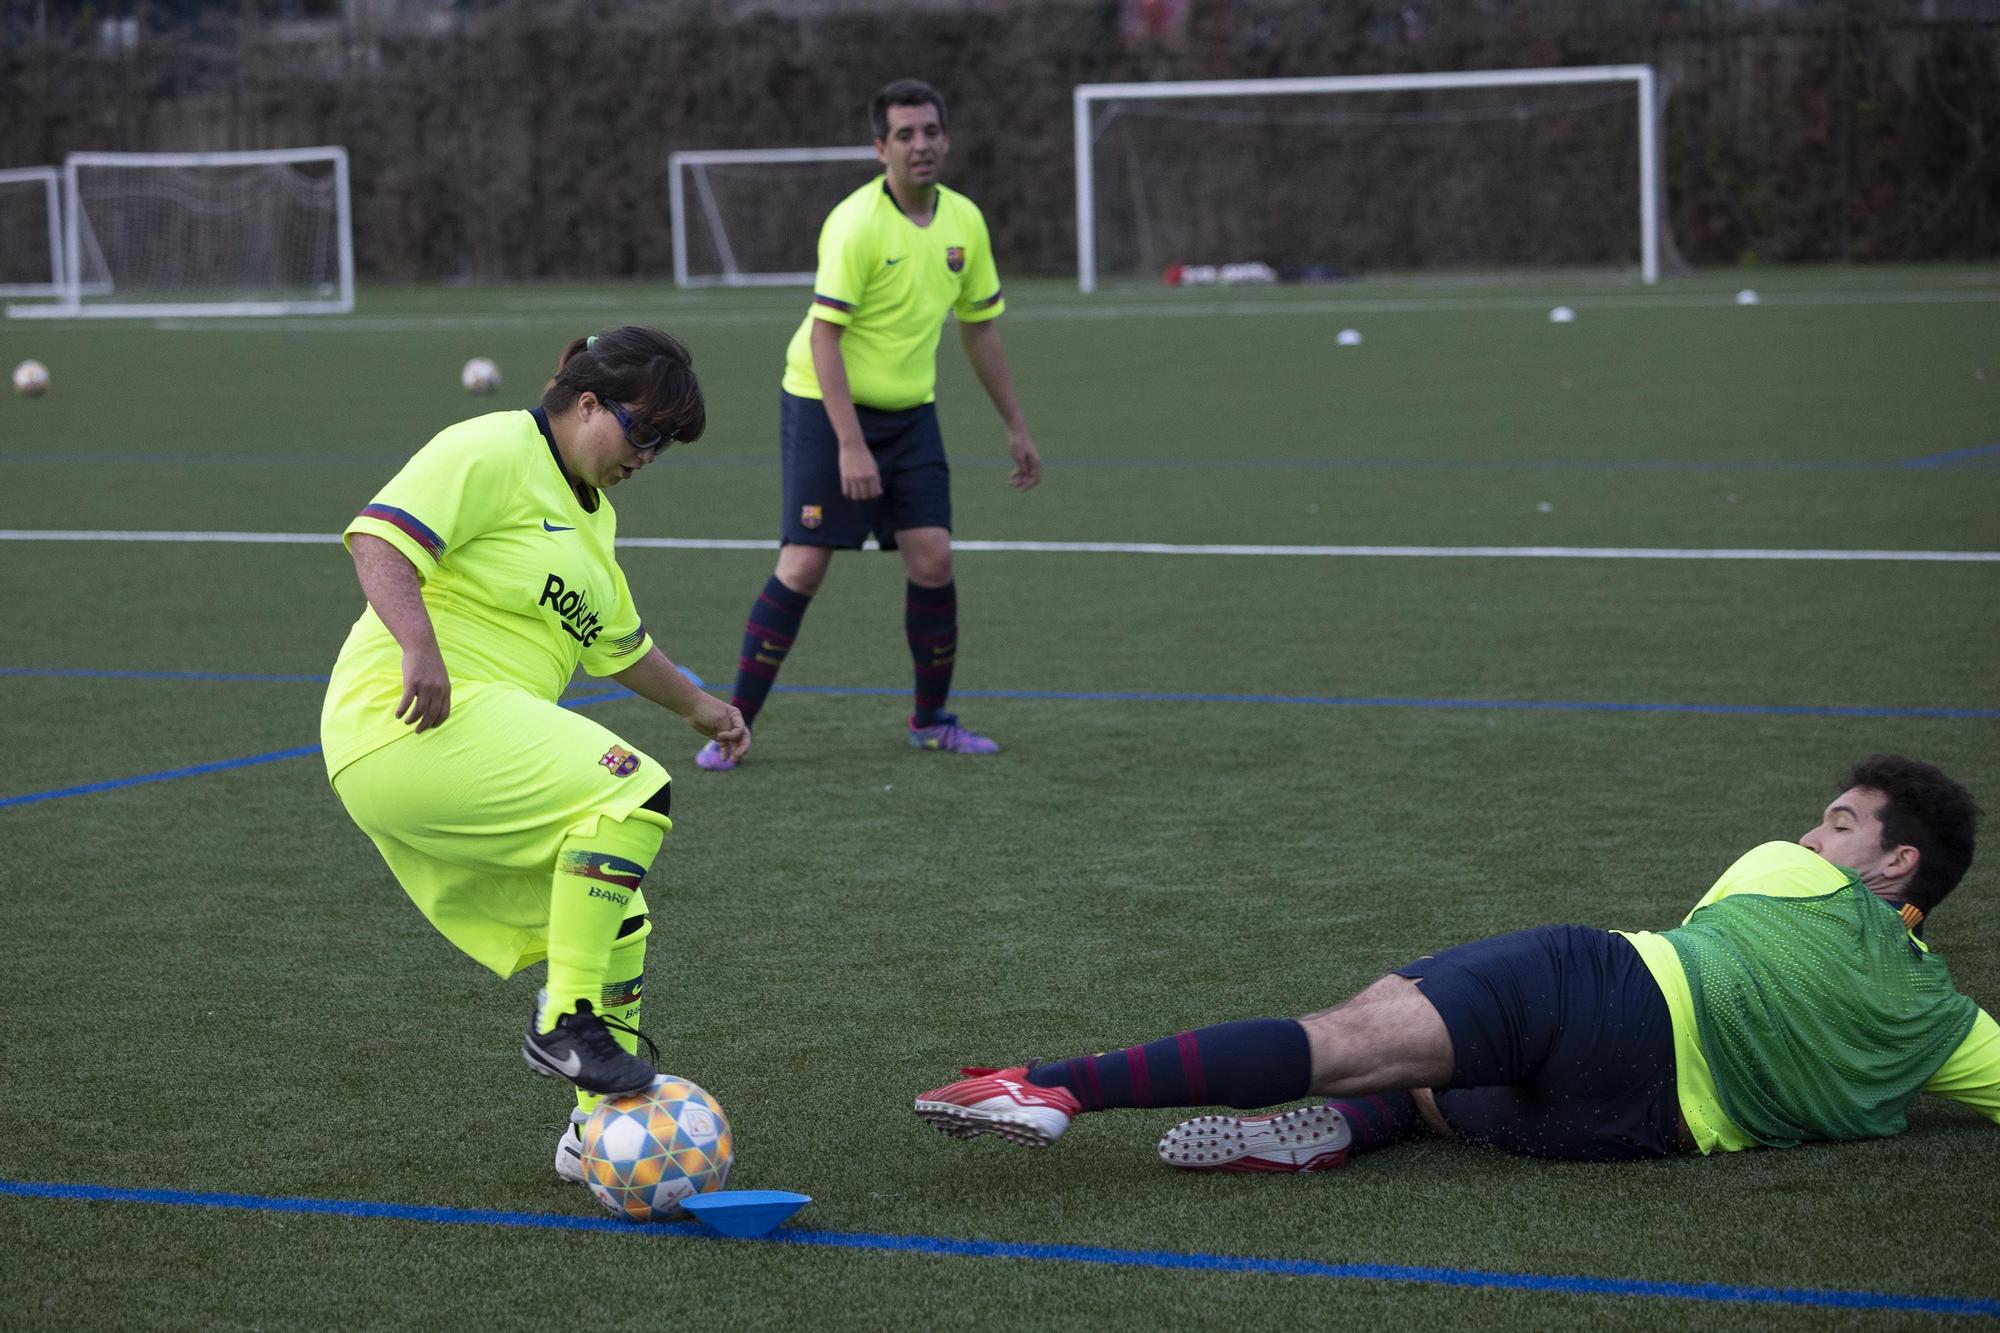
596	880
622	996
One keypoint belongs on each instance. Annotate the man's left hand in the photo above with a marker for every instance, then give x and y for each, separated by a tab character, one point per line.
1027	461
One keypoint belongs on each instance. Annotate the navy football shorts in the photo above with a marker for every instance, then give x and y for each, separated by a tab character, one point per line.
1562	1045
909	452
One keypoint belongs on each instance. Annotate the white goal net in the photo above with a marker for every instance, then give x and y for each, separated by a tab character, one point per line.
1476	171
750	217
30	231
241	233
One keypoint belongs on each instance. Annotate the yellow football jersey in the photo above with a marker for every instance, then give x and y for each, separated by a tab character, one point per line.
519	578
891	283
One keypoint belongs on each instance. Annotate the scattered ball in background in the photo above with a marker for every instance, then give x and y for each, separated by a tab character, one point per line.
31	379
480	376
1562	314
1349	338
1746	297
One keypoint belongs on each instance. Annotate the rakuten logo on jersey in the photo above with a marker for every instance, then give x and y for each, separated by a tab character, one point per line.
578	620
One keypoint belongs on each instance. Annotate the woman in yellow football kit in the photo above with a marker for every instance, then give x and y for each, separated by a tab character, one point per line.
521	829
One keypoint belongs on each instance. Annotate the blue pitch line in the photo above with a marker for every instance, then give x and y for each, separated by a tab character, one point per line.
1952	457
1165	696
940	1246
1342	701
1076	696
249	761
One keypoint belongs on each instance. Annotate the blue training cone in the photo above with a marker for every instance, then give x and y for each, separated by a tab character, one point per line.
745	1213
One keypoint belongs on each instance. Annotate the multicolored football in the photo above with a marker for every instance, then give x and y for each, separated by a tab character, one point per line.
644	1153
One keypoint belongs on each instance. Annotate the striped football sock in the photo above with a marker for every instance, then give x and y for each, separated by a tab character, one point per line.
1251	1063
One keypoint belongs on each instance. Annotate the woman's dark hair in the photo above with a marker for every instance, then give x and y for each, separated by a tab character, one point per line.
651	370
903	92
1925	810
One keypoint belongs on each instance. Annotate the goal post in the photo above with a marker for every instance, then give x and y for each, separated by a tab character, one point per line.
31	252
261	232
1392	128
750	217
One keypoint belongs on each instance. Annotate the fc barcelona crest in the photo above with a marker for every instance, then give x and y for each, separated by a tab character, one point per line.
810	516
954	258
621	761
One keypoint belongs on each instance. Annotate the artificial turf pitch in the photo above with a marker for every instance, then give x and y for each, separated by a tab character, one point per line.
1233	785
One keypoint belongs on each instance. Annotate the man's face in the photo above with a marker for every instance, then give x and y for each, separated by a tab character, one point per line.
914	148
1850	834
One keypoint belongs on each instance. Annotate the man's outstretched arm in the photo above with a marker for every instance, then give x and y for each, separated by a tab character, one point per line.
989	362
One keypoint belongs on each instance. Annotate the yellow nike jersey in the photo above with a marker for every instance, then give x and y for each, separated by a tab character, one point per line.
891	283
520	580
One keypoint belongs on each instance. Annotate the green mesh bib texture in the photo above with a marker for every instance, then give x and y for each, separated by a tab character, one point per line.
1820	1018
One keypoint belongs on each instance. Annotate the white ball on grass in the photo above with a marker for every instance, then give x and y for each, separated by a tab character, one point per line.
1348	338
31	379
1562	314
480	376
1746	297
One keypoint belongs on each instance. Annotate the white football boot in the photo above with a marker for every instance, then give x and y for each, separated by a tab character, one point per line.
569	1149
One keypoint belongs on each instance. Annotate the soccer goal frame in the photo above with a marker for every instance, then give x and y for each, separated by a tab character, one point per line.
1088	96
52	191
692	163
72	286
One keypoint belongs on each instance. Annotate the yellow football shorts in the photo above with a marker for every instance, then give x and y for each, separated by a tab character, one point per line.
470	815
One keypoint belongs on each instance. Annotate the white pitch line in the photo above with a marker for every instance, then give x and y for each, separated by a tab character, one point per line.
1108	548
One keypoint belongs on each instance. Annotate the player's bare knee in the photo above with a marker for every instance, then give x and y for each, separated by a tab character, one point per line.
929	569
1388	1036
803	568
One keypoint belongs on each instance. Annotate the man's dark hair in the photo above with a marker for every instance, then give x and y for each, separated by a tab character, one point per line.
903	92
1925	810
635	364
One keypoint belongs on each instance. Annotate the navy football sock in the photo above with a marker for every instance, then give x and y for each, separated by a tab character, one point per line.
1252	1063
767	636
930	619
1380	1120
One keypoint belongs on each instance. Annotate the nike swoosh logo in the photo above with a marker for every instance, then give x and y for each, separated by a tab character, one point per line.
570	1067
550	527
897	260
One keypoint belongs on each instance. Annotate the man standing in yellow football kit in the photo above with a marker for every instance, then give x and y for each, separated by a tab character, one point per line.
862	452
519	828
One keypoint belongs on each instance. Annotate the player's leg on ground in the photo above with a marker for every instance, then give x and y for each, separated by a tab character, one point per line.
597	876
768	635
1383	1040
773	624
1309	1138
1254	1062
598	872
622	997
1251	1063
1368	1051
1387	1037
930	622
930	618
621	1000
